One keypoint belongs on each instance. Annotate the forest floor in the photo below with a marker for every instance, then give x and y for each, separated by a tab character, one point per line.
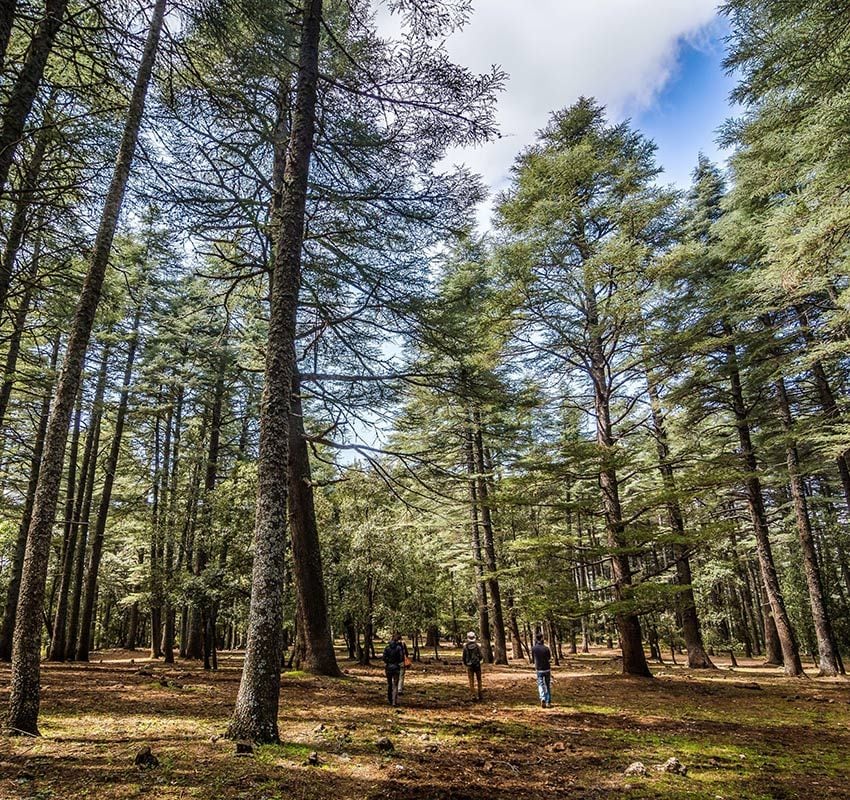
744	733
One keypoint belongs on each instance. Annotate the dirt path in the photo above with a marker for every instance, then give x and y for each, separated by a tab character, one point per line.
748	733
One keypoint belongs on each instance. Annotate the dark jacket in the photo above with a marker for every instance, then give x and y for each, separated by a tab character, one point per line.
542	657
393	657
472	654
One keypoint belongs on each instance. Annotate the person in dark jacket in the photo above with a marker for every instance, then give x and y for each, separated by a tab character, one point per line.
472	659
543	664
393	660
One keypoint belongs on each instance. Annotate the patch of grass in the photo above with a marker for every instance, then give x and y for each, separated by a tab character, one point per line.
285	751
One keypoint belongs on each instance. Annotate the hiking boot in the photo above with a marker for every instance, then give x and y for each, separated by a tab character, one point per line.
542	704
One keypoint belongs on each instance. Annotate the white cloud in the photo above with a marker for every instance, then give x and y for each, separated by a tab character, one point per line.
619	51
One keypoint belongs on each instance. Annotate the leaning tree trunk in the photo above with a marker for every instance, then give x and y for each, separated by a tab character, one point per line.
25	690
755	501
19	325
319	656
24	91
7	18
87	616
13	592
58	641
23	216
82	518
70	493
697	656
828	660
499	639
255	715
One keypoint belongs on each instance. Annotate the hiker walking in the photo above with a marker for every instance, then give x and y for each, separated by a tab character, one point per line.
405	662
472	658
542	663
393	659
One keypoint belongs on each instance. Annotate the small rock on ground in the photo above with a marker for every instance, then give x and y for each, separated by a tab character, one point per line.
145	759
674	766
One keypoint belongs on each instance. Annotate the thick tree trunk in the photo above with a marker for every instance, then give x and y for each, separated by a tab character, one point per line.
25	89
255	715
697	656
25	689
755	501
106	494
13	592
828	660
318	656
59	641
499	639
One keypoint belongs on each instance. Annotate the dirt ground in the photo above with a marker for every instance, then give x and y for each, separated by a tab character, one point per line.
744	733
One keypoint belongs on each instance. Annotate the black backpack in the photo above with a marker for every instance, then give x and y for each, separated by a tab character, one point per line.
473	653
392	656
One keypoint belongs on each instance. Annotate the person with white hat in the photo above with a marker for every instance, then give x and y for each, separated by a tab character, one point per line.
472	659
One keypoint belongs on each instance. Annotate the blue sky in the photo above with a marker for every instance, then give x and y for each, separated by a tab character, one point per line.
657	62
694	102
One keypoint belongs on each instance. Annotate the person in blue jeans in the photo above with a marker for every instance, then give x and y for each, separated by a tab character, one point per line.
543	664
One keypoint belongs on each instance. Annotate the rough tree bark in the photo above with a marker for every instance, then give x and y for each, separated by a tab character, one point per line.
319	656
255	715
25	688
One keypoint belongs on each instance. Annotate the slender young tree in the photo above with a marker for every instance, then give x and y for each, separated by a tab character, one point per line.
86	617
